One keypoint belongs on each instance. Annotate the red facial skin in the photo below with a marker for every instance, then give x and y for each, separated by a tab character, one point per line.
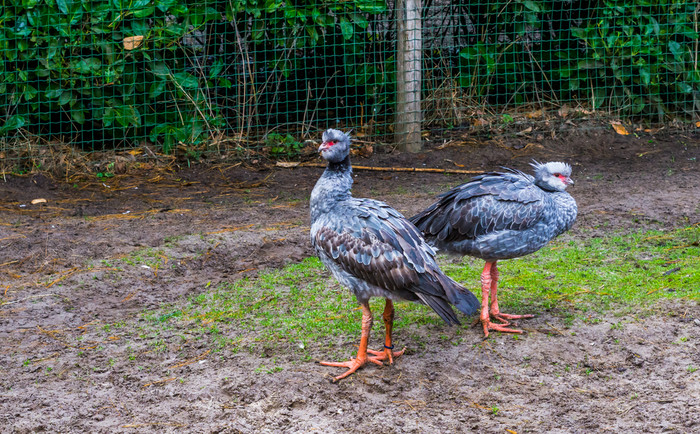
326	145
565	179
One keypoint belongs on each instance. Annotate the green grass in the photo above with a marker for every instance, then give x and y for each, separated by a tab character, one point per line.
302	303
598	273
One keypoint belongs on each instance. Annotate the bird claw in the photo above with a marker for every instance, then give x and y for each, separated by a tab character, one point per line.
385	354
354	364
488	325
506	316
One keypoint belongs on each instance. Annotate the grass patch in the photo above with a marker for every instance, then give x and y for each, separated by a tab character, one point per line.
302	305
598	273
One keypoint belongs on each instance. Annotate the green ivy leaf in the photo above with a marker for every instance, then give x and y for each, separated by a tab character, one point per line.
186	80
579	32
65	98
684	87
14	122
156	89
590	64
29	4
676	50
372	6
346	28
145	12
164	5
645	74
360	20
88	66
160	69
29	92
78	115
64	5
533	6
53	91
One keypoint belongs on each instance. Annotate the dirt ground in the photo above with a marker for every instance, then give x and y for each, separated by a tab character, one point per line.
64	366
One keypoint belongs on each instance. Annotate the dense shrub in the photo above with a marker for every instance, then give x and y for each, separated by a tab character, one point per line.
632	57
106	72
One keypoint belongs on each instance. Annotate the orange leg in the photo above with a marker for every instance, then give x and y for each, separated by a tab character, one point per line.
489	285
495	312
387	353
362	357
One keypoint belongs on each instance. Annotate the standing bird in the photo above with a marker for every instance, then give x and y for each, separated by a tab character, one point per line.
376	252
500	215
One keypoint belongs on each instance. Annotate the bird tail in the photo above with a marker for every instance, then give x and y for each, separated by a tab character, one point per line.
461	297
441	307
419	220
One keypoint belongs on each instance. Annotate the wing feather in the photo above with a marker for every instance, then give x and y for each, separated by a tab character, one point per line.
490	202
372	241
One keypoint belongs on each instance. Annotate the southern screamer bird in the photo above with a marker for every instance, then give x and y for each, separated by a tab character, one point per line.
375	251
500	215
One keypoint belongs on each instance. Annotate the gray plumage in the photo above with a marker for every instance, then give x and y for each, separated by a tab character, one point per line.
501	215
370	247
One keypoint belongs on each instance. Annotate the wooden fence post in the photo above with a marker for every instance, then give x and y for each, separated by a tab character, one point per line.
408	76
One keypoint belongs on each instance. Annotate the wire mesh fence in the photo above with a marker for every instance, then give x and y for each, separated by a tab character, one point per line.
264	75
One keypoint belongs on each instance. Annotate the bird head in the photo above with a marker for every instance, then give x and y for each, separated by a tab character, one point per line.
335	146
552	176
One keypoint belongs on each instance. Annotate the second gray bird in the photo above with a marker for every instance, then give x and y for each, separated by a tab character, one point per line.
501	215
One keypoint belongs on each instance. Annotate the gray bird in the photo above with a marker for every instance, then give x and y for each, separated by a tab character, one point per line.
375	251
501	215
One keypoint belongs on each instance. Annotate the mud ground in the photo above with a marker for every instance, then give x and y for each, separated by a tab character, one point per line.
65	306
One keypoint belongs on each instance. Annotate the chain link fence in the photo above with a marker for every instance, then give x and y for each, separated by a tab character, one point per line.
262	76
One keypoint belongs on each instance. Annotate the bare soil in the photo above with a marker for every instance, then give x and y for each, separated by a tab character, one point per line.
65	365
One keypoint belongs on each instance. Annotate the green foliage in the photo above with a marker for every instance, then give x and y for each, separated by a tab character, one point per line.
631	57
283	144
111	72
107	70
640	58
175	71
324	60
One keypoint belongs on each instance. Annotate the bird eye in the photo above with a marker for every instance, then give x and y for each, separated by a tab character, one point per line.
335	142
557	175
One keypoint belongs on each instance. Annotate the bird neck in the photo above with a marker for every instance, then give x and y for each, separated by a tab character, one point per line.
332	187
341	166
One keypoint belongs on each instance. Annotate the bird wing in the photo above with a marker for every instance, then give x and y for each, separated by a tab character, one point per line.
490	202
375	243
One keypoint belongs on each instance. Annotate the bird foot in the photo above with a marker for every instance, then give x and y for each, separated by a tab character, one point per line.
502	322
488	325
386	354
356	363
506	316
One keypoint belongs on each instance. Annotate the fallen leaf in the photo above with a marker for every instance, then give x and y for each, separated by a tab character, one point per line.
697	124
535	114
36	201
525	131
564	111
619	128
135	152
287	164
479	122
364	151
132	42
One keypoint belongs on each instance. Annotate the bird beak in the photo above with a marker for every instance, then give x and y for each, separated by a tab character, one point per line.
569	181
323	147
